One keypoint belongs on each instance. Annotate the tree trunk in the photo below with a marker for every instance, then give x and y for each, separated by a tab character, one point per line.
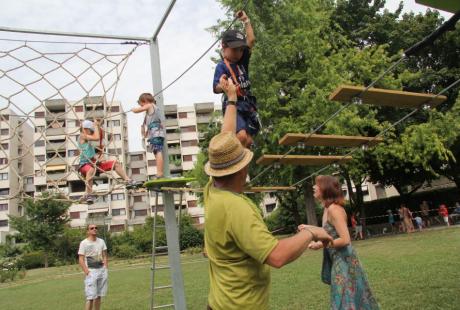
310	209
351	194
45	258
360	206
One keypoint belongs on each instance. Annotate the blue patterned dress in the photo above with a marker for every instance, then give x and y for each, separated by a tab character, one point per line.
343	271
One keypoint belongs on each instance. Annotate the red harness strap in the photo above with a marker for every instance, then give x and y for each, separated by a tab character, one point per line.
239	91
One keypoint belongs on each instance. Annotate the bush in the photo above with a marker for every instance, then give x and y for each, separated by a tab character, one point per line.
67	245
8	269
35	259
125	250
189	235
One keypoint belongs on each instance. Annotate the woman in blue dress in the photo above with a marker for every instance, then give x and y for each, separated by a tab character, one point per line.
341	267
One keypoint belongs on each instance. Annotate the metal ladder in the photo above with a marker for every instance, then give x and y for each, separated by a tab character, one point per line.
155	249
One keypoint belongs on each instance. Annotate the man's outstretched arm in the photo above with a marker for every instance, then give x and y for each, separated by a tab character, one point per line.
229	88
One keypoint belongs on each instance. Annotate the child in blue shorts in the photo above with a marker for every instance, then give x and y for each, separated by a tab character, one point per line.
152	128
236	52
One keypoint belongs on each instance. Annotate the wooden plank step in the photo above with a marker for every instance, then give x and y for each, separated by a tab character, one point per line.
328	140
452	6
302	160
386	97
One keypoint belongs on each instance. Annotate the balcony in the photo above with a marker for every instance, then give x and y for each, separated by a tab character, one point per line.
173	136
51	116
55	131
174	151
56	161
173	167
203	119
171	122
52	177
56	146
137	164
139	177
56	104
142	205
90	114
93	101
204	107
170	108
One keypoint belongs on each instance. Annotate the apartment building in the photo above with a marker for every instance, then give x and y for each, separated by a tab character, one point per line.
16	161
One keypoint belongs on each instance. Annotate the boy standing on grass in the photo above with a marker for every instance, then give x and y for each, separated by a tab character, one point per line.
93	260
236	52
152	128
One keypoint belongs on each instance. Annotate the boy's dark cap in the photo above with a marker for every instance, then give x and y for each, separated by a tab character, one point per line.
234	38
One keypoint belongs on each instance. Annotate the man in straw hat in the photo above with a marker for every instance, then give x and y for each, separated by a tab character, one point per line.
239	246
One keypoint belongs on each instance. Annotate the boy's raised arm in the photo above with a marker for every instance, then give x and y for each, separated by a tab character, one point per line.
250	37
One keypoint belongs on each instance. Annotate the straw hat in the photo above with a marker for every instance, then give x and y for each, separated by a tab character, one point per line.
226	155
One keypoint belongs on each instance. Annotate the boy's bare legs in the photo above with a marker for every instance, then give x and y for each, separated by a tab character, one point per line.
159	160
97	303
89	305
89	180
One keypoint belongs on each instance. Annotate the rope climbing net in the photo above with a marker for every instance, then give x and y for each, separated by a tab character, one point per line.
47	88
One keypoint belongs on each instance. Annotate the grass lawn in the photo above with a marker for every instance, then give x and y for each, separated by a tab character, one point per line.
417	271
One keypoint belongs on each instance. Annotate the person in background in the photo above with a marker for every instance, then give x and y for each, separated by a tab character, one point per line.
391	221
444	213
402	227
425	213
407	218
419	222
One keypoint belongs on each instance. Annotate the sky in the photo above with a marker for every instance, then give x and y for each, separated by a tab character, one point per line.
182	40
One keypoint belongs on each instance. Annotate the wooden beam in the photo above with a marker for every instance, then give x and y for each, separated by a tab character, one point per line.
328	140
386	97
302	160
264	189
452	6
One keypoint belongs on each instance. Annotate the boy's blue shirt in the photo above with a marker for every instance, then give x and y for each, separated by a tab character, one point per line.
241	70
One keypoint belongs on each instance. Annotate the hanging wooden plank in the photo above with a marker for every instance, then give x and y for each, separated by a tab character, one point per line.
328	140
386	97
263	189
302	160
452	6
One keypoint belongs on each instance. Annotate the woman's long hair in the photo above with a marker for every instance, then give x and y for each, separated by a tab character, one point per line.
330	189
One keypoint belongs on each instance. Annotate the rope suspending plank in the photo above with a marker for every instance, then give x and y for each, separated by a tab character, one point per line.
328	140
385	97
302	160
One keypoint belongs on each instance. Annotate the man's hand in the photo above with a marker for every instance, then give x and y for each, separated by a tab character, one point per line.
315	245
242	16
319	234
229	89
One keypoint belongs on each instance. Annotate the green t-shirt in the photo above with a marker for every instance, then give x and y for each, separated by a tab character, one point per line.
237	243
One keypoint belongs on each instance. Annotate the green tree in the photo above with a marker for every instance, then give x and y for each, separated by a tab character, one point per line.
43	222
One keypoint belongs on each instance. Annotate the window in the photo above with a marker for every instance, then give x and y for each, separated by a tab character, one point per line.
5	117
116	123
38	173
117	197
4	191
39	143
5	132
4	207
74	215
5	146
138	198
116	212
191	203
189	129
39	114
160	208
79	108
3	176
136	171
30	180
20	167
270	207
116	228
40	129
3	161
140	212
137	157
182	114
117	137
188	158
115	109
40	158
3	223
189	143
72	153
151	162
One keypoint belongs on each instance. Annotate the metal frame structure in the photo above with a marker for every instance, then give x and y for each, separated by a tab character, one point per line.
172	232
